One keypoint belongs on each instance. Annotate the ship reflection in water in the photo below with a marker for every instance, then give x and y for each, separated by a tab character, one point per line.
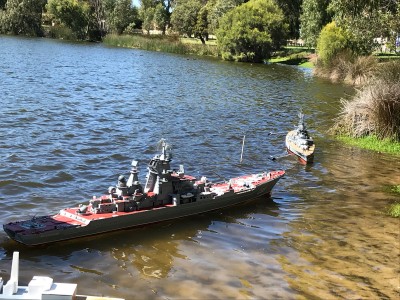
162	252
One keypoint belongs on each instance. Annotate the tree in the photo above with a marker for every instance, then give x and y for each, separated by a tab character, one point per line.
74	14
331	42
218	8
291	9
22	17
97	17
120	14
201	27
313	17
156	14
252	31
364	21
184	16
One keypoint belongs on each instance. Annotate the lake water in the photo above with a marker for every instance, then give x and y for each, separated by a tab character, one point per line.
73	116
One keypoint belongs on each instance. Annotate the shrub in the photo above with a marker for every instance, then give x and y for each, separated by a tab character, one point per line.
331	41
252	31
61	32
375	109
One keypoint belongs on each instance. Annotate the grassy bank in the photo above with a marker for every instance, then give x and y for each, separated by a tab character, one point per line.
296	56
169	44
373	143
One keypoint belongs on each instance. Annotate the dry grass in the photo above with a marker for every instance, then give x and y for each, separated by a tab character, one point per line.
349	69
375	109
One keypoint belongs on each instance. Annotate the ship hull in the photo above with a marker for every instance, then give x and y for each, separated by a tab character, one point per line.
129	220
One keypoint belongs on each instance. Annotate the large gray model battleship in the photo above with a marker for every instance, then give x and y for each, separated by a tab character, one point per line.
166	195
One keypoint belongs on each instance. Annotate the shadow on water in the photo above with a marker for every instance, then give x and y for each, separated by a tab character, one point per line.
140	253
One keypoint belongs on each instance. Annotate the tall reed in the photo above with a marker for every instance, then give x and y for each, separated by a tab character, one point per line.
169	44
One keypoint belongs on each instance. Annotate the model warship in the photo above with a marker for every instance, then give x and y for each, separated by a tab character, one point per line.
299	142
166	195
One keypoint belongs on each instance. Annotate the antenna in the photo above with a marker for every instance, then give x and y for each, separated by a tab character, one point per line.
241	155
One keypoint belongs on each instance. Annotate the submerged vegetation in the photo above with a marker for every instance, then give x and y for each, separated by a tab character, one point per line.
394	209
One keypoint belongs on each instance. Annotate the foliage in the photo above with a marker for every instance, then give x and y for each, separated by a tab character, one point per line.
155	14
313	17
22	17
184	16
291	9
201	27
161	17
96	26
252	31
218	9
73	14
61	32
375	109
332	41
120	14
364	21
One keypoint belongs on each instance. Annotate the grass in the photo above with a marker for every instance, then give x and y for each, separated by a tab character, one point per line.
297	56
394	209
373	143
169	44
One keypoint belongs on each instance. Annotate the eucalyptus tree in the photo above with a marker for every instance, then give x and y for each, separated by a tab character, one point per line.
184	17
97	17
21	17
73	14
364	21
312	19
119	15
155	14
291	9
218	8
252	31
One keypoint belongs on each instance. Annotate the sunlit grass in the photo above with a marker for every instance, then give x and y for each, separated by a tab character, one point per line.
169	44
293	57
210	42
373	143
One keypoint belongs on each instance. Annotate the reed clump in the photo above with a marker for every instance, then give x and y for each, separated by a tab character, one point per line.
347	68
375	108
163	43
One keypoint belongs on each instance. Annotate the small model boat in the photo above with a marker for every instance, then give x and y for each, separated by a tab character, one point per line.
166	195
299	142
